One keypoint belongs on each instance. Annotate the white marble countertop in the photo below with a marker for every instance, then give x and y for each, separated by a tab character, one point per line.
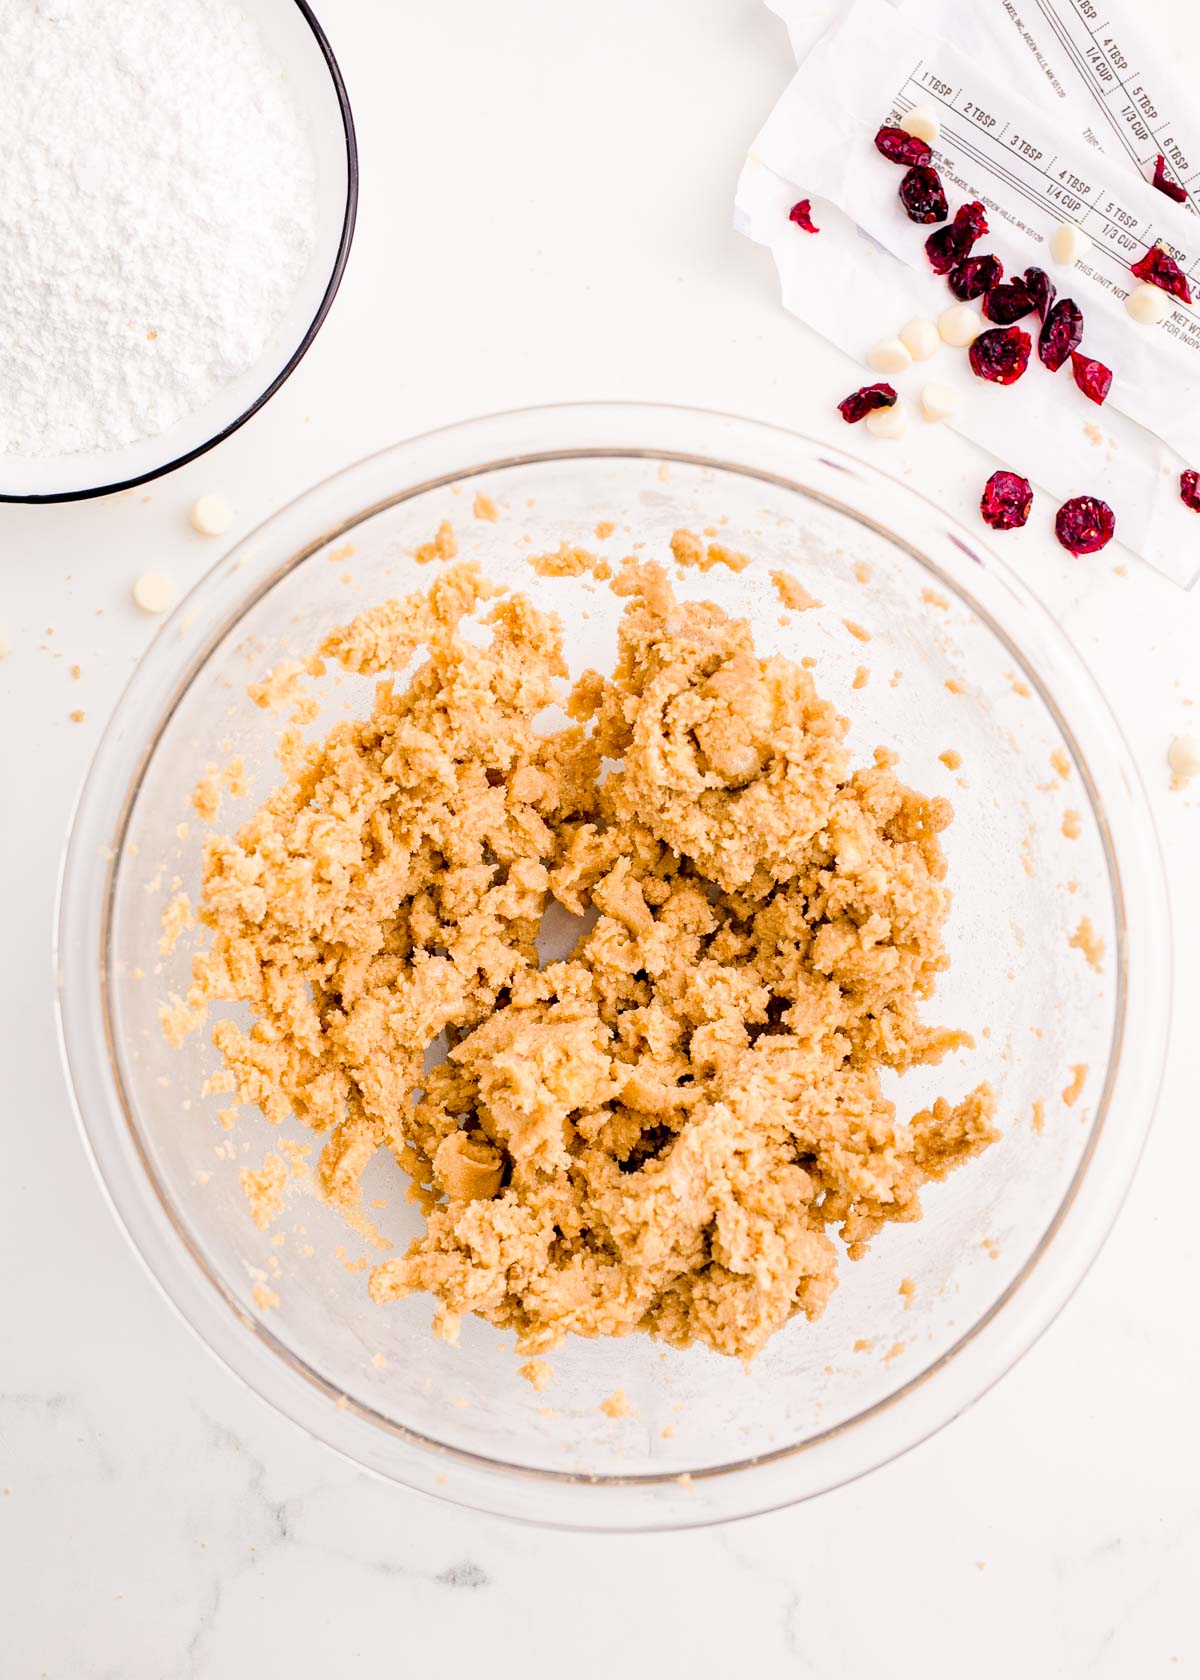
546	215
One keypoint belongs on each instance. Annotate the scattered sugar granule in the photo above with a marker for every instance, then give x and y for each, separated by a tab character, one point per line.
861	677
862	572
76	673
1072	825
483	507
864	1344
933	599
955	686
894	1352
1086	939
617	1405
264	1297
1074	1090
792	592
78	715
537	1373
443	545
857	630
210	516
1039	1117
1060	762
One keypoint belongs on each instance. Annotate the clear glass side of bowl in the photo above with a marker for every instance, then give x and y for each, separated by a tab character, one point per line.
942	677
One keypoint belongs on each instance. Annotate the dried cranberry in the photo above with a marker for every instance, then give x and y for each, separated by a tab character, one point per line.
801	214
1041	289
1165	184
899	147
951	245
1092	377
923	196
1008	302
942	249
1160	269
860	403
1061	332
1001	354
1006	501
974	277
1084	524
970	224
1189	490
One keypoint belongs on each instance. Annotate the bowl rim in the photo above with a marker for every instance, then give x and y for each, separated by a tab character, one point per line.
345	240
489	1483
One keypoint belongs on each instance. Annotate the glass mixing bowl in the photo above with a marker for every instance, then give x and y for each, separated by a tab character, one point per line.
960	658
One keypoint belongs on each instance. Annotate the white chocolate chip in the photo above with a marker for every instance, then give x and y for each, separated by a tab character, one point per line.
1148	305
920	338
960	325
1067	244
1183	755
887	422
938	402
154	592
922	122
210	516
889	356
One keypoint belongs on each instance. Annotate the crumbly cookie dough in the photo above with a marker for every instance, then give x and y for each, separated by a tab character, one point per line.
664	1131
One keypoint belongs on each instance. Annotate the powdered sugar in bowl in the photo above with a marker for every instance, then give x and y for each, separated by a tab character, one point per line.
179	205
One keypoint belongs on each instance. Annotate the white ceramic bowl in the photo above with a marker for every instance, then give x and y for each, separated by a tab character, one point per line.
1003	1242
294	38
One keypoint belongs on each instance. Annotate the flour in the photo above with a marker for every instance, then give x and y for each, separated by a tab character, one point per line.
157	215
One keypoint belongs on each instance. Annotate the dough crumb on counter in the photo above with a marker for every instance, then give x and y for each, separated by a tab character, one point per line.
483	507
675	1127
617	1405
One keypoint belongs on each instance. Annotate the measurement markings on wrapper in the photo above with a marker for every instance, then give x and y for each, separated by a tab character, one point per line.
1033	171
1127	105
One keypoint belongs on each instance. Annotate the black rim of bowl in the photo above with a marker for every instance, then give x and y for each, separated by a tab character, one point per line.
301	350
